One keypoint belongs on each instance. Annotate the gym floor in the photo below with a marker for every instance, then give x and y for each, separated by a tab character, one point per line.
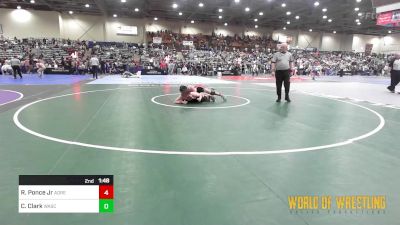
233	162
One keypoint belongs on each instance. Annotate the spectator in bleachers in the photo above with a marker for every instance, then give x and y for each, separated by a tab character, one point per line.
208	55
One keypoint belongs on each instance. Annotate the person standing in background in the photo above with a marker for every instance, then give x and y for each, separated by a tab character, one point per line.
171	67
16	66
94	62
31	64
26	66
394	73
282	65
102	66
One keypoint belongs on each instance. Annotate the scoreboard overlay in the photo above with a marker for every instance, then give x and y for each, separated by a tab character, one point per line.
66	194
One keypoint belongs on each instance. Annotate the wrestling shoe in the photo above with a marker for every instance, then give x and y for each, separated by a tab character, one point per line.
390	89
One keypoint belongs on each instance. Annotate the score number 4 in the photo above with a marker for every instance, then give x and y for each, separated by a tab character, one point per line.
106	192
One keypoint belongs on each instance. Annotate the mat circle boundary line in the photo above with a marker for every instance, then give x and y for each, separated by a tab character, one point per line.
194	153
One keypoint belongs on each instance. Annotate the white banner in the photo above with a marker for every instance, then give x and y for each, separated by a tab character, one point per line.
157	40
127	30
282	38
187	43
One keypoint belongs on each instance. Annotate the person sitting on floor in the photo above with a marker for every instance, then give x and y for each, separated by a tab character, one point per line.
6	69
128	74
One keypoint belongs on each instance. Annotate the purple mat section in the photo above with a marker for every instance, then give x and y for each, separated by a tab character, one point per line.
8	96
46	80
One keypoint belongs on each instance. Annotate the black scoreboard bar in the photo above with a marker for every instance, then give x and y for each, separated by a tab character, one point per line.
66	180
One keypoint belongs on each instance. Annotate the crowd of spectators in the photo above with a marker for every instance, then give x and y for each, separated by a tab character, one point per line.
206	55
341	63
211	42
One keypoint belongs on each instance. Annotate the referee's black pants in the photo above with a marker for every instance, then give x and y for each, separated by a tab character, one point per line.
95	71
15	70
395	79
282	76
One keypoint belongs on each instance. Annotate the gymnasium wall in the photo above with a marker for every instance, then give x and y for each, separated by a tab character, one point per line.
154	26
86	27
390	44
359	42
336	42
262	31
330	42
228	31
22	24
319	40
309	40
197	28
383	44
347	42
281	34
111	27
81	27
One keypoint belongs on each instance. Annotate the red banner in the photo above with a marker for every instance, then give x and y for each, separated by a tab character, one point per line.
384	18
389	18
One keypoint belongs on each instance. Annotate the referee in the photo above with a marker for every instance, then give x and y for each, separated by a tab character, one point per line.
15	64
94	62
394	73
282	64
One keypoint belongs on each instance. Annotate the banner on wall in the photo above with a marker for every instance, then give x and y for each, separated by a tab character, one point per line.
282	38
378	3
127	30
289	39
368	49
390	19
311	49
157	40
187	43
